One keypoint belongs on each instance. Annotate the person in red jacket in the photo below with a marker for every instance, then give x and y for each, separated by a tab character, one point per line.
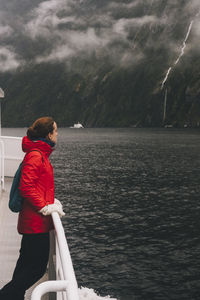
34	221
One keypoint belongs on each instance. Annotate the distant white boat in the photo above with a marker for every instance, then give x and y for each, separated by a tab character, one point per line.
78	125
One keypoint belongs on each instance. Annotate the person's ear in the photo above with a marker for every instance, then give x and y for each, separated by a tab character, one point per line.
49	136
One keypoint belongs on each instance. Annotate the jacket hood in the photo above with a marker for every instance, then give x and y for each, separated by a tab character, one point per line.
28	145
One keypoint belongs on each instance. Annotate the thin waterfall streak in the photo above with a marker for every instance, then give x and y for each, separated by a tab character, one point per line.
166	77
181	54
184	43
165	106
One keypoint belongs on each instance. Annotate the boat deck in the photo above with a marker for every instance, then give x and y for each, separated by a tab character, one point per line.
9	240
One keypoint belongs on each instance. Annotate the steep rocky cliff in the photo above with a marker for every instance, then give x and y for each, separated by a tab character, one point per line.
103	63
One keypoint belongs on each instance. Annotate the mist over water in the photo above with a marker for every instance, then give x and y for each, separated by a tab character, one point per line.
131	198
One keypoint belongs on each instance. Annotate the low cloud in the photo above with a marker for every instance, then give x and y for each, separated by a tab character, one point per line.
122	5
193	6
72	33
122	26
76	28
5	31
44	19
8	60
73	43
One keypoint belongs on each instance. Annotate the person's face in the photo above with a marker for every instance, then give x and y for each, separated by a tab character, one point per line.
53	136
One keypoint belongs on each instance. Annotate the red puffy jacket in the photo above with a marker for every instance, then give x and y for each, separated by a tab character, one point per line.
36	187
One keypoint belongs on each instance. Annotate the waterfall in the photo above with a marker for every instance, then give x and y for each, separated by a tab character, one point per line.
182	51
180	55
166	77
165	106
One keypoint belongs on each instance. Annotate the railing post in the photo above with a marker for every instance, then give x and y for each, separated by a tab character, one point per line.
51	269
2	165
0	162
67	266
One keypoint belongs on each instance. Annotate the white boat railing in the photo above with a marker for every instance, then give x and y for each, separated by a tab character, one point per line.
2	158
12	154
65	283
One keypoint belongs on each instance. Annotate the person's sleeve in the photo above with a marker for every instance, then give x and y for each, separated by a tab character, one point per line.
30	174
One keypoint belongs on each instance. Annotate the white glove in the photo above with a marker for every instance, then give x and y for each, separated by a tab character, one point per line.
56	201
48	209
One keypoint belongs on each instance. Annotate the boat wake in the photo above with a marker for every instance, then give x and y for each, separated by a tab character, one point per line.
89	294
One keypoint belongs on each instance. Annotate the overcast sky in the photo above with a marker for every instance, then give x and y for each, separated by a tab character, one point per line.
72	28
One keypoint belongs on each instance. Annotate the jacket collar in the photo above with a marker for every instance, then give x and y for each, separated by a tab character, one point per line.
52	144
28	145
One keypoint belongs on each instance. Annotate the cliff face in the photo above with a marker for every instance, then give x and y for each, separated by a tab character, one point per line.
103	63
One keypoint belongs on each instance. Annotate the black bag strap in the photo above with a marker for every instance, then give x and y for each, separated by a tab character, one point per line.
37	151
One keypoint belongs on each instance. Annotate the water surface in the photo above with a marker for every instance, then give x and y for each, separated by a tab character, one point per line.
131	198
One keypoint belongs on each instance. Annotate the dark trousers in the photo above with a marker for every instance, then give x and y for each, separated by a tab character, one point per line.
30	267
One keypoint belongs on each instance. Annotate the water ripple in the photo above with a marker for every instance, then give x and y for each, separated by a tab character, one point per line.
132	202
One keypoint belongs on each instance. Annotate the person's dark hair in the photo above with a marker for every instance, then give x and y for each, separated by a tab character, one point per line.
41	128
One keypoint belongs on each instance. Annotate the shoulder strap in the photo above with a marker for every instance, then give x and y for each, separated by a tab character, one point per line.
37	151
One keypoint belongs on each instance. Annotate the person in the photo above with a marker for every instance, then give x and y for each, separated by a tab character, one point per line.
34	220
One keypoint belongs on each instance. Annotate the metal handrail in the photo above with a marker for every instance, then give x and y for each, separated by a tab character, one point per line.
65	276
47	287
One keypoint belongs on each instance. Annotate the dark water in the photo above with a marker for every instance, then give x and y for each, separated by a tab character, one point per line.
132	199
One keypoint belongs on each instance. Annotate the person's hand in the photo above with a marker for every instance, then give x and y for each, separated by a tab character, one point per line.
56	201
48	209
